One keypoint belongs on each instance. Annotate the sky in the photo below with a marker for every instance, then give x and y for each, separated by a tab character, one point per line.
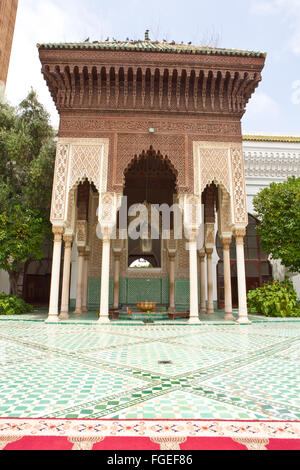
271	26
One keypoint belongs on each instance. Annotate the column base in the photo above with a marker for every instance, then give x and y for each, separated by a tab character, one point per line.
244	321
78	311
210	311
52	318
194	321
64	316
103	320
84	310
229	316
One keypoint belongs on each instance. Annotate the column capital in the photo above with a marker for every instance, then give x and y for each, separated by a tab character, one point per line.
172	253
201	253
87	252
226	241
106	231
58	233
239	233
81	250
117	253
68	239
209	251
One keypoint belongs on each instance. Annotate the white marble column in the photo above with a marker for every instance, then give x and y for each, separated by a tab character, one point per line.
226	242
55	278
104	296
194	305
65	297
117	256
210	292
85	281
202	281
79	290
239	234
172	254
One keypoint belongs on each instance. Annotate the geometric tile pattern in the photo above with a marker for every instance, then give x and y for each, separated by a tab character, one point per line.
161	371
133	290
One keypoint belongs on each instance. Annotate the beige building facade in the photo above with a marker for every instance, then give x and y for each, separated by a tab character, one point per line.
8	13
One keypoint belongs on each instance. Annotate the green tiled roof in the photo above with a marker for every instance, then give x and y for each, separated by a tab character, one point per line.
151	46
271	138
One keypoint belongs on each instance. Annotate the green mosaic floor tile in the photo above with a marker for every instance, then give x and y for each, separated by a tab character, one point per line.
42	377
85	370
151	355
184	405
274	386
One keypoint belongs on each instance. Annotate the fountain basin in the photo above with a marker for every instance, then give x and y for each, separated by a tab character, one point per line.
146	306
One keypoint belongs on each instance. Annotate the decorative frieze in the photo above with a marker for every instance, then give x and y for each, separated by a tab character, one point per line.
272	164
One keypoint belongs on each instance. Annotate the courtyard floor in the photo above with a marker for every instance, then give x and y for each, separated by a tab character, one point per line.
215	370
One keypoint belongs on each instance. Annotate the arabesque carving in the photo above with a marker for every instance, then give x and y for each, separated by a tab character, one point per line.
77	160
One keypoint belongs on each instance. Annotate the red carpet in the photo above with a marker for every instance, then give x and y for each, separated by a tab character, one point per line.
50	434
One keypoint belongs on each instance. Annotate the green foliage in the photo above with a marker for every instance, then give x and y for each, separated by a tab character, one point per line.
278	210
277	299
27	156
21	237
13	305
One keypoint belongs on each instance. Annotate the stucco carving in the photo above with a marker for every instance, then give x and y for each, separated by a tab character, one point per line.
240	214
224	214
76	160
211	164
82	232
209	236
58	211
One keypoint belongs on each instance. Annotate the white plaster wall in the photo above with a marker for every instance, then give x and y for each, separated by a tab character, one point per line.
266	163
4	282
296	282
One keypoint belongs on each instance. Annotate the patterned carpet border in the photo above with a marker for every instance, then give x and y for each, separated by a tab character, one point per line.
148	428
63	434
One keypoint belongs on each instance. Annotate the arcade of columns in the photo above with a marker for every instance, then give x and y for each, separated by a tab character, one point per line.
215	199
118	99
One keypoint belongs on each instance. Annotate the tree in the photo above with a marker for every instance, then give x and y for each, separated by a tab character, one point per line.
22	234
278	210
27	156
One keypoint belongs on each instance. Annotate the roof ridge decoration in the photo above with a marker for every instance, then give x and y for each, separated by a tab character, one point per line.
271	138
151	46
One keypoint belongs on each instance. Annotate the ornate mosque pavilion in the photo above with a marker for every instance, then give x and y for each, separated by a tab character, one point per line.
159	123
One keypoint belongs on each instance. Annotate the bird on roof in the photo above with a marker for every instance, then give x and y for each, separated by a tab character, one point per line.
87	40
190	42
107	39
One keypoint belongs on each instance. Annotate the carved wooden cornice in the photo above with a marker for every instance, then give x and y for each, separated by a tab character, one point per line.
133	81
